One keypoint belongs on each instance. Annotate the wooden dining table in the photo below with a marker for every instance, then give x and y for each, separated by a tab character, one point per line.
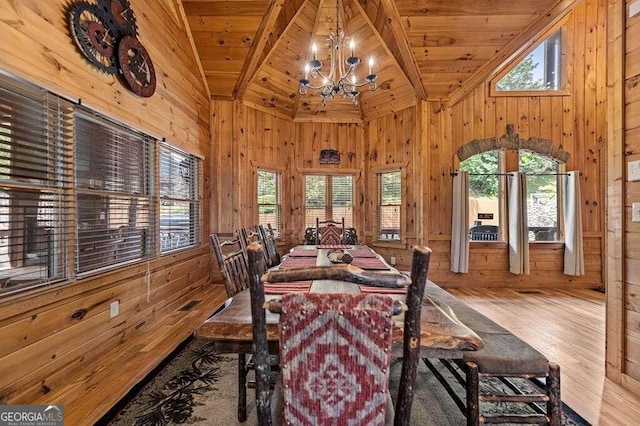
442	334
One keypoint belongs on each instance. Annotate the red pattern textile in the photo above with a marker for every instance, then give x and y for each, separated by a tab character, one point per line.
330	234
298	262
304	253
335	358
382	290
362	253
370	263
334	246
290	287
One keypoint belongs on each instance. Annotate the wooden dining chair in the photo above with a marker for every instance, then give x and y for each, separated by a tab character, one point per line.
336	348
270	245
331	231
233	266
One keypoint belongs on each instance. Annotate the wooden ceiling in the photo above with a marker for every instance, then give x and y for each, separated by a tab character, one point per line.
255	50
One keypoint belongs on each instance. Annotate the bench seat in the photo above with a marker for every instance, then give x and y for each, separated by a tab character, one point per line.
503	355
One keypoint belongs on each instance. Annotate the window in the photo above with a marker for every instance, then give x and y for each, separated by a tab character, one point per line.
487	199
485	188
389	204
269	199
328	197
75	182
115	207
179	199
541	70
35	179
542	195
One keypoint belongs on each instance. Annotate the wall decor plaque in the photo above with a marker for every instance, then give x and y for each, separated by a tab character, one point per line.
329	156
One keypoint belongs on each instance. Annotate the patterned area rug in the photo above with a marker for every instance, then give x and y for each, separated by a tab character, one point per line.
198	387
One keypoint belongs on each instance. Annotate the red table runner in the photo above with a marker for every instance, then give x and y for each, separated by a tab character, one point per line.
304	253
298	262
382	290
370	263
292	287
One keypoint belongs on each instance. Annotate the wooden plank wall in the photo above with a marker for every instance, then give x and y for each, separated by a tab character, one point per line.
576	122
631	295
44	351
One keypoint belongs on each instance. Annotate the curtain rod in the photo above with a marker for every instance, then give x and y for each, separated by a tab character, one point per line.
511	173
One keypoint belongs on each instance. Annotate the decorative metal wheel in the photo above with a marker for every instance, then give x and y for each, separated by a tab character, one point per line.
136	66
93	36
120	17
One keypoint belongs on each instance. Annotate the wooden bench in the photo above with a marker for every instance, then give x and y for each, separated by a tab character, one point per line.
504	356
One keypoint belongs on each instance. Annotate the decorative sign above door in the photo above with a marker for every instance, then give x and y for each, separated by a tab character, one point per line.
106	33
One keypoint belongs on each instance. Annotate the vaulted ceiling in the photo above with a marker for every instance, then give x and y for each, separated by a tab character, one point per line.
255	50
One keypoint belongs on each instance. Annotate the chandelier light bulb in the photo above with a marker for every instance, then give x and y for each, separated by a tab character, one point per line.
370	65
314	51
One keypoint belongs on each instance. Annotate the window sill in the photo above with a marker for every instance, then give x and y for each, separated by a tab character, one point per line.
388	244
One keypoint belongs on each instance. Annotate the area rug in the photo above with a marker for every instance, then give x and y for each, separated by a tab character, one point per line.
199	386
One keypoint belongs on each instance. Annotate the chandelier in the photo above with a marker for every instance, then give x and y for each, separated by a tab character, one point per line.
342	77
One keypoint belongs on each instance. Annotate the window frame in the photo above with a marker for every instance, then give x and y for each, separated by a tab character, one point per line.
328	207
277	227
194	165
503	170
566	55
377	228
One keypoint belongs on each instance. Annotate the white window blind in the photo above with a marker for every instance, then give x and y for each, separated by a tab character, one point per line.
269	199
35	178
115	208
179	199
328	197
389	205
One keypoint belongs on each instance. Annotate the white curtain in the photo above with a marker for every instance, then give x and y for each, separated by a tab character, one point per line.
460	223
518	226
573	248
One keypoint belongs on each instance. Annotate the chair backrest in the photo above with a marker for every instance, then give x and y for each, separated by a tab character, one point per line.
329	322
270	245
331	233
233	264
483	233
248	236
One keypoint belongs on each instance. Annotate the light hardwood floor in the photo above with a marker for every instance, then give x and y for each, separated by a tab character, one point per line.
568	326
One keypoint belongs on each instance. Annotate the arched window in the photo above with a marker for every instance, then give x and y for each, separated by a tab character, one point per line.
487	195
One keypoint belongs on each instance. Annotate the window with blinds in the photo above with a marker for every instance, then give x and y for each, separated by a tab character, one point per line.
115	209
35	178
389	205
328	197
269	199
179	199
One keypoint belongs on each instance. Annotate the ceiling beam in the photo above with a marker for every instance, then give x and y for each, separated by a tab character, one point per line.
316	22
395	39
515	47
260	47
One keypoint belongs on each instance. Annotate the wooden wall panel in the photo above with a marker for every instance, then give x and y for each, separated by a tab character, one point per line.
37	327
629	329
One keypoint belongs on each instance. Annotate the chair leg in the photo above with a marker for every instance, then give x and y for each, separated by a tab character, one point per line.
554	407
473	390
242	387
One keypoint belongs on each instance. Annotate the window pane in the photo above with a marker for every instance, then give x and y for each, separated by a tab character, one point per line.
389	199
342	199
542	196
315	194
35	179
540	70
114	203
269	199
179	199
484	195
